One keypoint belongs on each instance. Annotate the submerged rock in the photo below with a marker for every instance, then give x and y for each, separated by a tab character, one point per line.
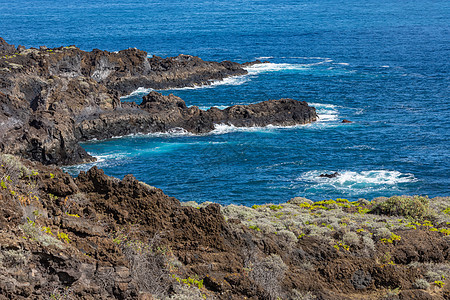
332	175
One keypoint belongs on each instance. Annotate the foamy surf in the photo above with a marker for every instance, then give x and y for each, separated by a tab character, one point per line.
174	132
217	106
233	80
252	70
326	112
111	156
263	57
351	182
274	67
225	128
138	92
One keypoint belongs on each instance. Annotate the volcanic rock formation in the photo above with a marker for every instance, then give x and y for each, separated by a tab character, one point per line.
50	99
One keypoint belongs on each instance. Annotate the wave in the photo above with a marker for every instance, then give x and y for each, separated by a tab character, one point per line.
173	132
326	112
273	67
264	57
308	57
225	128
357	181
360	147
218	106
111	156
234	80
252	70
279	67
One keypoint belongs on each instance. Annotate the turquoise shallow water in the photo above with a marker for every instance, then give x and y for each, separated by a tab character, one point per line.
382	64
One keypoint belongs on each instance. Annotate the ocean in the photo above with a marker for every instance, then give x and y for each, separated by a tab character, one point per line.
382	64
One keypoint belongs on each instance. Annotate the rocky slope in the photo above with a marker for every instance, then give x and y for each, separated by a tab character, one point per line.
98	237
50	99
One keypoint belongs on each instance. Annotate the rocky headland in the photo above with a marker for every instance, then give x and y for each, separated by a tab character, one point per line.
51	99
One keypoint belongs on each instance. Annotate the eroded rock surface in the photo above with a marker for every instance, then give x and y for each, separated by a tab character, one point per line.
99	237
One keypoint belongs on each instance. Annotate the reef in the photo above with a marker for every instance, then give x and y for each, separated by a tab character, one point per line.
52	99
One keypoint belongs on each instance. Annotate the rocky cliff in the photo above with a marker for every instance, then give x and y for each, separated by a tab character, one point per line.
50	99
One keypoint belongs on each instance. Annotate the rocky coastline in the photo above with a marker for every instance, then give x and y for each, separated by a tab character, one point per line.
100	237
51	99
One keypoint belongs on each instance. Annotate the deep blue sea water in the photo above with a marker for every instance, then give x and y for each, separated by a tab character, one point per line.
382	64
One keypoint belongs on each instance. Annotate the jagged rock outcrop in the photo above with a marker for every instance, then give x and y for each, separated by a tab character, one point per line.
159	113
5	48
99	237
50	99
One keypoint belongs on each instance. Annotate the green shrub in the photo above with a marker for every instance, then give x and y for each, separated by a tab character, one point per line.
275	207
416	207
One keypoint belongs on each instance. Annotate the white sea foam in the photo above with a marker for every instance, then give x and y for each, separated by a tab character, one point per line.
208	107
264	57
309	57
273	67
139	92
363	179
234	80
252	70
360	147
279	67
326	112
225	128
111	156
174	132
385	66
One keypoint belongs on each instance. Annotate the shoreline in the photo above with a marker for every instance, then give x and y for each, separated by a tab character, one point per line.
66	96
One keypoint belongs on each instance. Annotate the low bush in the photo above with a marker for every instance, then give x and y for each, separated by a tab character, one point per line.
149	264
268	273
13	258
421	284
40	234
416	207
351	239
